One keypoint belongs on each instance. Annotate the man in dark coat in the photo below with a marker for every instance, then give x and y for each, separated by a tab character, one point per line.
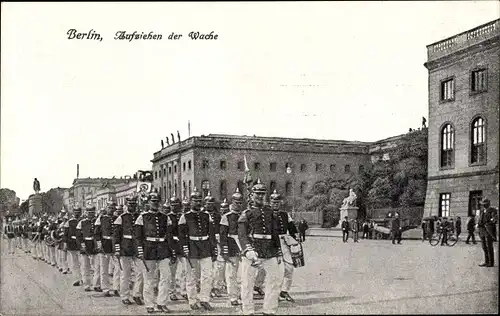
471	227
345	230
396	229
302	229
488	218
458	226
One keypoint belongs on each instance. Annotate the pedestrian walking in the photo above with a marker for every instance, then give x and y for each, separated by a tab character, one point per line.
488	219
471	227
424	230
458	226
303	227
396	229
345	230
355	230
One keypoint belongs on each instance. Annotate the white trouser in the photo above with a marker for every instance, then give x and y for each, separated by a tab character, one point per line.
178	274
286	285
233	284
104	265
25	243
75	263
261	276
272	285
52	255
10	243
202	268
63	259
116	274
151	281
218	269
130	264
90	262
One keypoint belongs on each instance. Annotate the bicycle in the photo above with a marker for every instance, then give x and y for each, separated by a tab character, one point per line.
450	241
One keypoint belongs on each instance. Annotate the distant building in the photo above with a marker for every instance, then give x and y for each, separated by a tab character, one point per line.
463	127
215	163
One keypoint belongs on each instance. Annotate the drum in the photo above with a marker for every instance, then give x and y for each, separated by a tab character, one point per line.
297	255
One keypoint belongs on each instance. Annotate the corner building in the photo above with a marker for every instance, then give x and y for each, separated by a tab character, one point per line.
463	122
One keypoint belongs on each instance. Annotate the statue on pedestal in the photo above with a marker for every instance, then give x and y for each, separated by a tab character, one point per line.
350	200
36	186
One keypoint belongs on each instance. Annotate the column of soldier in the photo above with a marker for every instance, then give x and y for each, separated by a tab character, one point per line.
178	251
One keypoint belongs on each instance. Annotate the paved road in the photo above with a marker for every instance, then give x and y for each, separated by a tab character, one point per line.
370	277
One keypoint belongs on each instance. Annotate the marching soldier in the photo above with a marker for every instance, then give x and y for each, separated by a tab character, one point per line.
154	247
85	238
125	252
62	252
9	232
288	238
259	239
52	228
43	234
71	245
25	235
177	284
197	237
18	233
35	238
219	265
113	263
230	244
102	235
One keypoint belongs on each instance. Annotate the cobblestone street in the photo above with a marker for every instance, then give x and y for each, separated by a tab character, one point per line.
370	277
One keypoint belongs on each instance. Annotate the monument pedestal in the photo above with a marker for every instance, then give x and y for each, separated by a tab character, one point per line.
35	204
350	211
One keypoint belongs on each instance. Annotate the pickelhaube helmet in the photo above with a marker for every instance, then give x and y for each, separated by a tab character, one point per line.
77	210
119	208
131	200
175	201
259	187
90	210
224	205
153	197
237	196
195	195
275	197
112	205
209	198
166	207
185	202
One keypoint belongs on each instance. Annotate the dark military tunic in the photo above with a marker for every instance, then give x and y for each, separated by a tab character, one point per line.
104	232
197	235
52	228
174	218
258	230
123	234
85	235
153	232
60	235
229	234
70	234
25	229
286	225
42	230
9	231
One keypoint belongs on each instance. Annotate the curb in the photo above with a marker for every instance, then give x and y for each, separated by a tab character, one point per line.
408	238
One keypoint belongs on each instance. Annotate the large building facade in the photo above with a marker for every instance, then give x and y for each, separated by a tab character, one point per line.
463	122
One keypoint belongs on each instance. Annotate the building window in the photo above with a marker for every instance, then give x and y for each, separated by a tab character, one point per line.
318	167
303	187
288	165
169	188
478	145
447	146
303	167
288	188
165	191
361	169
175	169
189	188
447	90
256	166
189	165
184	166
272	166
272	187
184	188
164	171
444	205
176	192
156	174
204	164
223	189
223	165
205	187
240	165
332	168
474	198
347	168
478	81
170	169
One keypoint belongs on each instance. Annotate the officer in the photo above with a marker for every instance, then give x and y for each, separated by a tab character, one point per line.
114	266
218	267
177	284
230	244
125	251
154	246
260	244
9	232
488	219
85	231
288	237
103	237
71	245
197	237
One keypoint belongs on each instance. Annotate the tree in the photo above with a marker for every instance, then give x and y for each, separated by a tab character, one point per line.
24	207
8	201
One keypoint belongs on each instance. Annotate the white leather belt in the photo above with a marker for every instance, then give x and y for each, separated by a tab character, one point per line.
106	237
233	236
89	238
261	236
198	237
73	237
127	236
155	239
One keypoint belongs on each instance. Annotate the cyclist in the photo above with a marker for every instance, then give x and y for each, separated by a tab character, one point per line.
445	227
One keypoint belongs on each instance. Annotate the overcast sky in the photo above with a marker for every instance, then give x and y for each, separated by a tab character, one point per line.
106	105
